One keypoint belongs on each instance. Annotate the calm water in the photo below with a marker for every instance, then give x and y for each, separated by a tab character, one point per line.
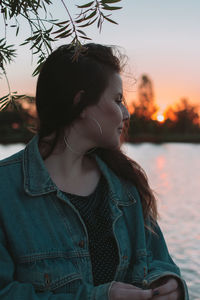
174	174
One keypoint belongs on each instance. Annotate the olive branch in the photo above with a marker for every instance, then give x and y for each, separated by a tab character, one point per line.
45	30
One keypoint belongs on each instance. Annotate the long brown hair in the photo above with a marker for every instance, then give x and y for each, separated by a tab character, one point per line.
61	77
131	171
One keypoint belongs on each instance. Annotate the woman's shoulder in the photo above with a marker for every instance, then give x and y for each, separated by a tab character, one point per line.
14	158
10	165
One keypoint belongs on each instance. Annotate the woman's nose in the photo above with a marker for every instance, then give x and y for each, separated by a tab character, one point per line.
126	114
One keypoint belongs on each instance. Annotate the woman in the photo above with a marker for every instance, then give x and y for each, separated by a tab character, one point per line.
78	218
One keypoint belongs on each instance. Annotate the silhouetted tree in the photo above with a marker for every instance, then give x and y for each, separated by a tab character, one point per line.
184	117
145	106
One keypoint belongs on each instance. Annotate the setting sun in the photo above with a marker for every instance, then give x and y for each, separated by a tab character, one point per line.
160	118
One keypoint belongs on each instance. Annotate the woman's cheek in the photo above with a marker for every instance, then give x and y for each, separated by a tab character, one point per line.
119	113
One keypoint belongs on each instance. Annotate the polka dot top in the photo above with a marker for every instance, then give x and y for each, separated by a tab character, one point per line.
95	212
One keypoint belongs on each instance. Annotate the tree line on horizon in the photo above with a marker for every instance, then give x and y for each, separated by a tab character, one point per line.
181	122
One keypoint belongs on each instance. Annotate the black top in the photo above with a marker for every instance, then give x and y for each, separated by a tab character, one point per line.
95	212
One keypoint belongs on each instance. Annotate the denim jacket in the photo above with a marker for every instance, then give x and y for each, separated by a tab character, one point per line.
44	251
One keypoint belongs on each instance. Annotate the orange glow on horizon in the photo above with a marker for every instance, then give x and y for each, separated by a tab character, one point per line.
130	108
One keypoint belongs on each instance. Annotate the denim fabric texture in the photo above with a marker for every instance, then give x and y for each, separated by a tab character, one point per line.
44	242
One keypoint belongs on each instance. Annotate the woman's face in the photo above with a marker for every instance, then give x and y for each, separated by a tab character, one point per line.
109	113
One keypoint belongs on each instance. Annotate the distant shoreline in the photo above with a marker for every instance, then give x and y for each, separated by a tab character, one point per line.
156	139
137	139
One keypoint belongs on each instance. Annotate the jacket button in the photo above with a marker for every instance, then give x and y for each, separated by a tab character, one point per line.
47	279
81	244
145	282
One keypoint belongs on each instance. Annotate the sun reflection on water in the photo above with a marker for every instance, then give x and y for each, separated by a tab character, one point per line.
174	174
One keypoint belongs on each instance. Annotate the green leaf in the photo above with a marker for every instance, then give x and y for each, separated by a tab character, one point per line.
61	29
17	97
24	43
88	23
91	15
41	59
17	31
49	30
62	23
48	45
106	7
37	50
85	37
86	5
48	1
109	20
32	38
4	105
5	12
37	70
110	1
36	42
3	43
80	20
4	97
64	34
81	32
49	39
4	101
10	46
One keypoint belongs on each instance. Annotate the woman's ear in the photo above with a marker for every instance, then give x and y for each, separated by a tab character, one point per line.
77	97
77	100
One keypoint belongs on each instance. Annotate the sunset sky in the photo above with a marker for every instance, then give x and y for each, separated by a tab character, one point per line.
161	39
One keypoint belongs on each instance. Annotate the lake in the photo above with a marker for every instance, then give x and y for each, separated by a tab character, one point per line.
174	174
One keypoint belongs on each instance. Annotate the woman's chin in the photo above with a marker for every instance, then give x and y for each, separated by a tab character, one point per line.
116	144
113	142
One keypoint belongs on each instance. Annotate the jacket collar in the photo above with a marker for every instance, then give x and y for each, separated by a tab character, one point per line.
37	180
123	192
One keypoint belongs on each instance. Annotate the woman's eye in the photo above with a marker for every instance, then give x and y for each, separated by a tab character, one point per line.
119	102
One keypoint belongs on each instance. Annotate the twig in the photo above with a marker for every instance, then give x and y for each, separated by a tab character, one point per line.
8	84
72	22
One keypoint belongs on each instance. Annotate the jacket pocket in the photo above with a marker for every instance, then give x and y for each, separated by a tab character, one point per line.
138	268
56	274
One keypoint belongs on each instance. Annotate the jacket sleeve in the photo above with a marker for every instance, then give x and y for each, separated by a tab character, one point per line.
11	289
160	263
